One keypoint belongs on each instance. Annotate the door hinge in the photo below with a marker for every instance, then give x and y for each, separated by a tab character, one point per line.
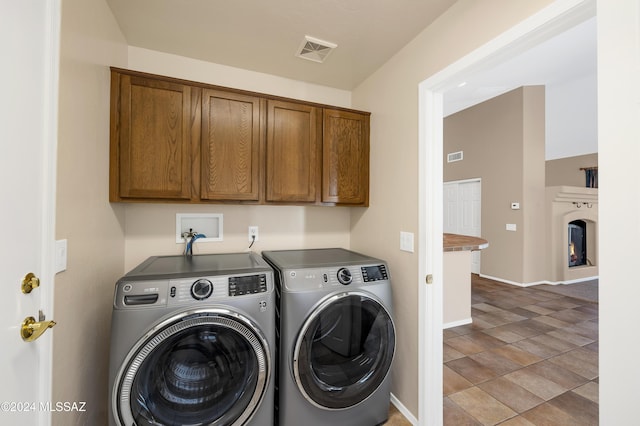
429	279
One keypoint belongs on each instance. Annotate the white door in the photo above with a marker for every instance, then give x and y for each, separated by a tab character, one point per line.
462	212
29	34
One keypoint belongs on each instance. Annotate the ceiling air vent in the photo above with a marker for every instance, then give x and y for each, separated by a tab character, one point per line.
454	156
315	49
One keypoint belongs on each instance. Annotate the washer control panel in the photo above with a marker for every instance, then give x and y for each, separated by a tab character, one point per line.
250	284
140	294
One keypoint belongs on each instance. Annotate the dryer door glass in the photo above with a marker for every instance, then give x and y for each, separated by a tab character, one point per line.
344	351
207	369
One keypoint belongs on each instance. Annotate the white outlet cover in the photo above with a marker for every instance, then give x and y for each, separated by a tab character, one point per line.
406	241
61	256
511	227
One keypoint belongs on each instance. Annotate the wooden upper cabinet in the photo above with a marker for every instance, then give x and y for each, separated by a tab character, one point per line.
230	146
181	141
294	137
345	157
150	156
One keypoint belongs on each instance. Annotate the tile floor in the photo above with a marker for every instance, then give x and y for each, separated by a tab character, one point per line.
529	358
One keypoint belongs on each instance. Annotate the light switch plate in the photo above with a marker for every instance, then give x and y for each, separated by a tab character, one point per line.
511	227
61	256
406	241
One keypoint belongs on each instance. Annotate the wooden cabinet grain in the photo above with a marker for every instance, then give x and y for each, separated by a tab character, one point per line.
151	124
345	157
230	146
179	141
293	152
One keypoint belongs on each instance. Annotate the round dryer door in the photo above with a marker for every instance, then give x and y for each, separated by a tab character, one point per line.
197	368
344	351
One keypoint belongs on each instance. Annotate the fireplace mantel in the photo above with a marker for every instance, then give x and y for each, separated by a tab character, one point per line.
570	194
564	205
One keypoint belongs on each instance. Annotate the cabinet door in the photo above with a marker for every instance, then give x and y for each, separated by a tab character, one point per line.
293	152
230	146
345	157
153	139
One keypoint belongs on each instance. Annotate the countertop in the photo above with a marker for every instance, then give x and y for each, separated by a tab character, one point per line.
455	242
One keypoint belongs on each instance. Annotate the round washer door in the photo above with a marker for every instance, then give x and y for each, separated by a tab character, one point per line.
205	367
344	350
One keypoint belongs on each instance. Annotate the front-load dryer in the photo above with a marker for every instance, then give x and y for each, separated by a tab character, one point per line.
193	342
336	337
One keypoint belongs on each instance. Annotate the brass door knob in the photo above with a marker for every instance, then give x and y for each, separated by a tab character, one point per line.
29	282
32	329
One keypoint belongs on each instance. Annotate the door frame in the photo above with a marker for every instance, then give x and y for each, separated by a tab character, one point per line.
548	22
50	104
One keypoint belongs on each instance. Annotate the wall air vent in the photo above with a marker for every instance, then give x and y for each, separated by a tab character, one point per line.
454	156
315	49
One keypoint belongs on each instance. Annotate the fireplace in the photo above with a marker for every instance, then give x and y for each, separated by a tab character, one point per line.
577	243
572	234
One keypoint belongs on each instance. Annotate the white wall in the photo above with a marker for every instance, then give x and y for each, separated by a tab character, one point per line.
571	115
618	155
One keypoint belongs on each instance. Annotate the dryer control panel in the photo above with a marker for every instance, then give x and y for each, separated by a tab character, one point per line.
339	276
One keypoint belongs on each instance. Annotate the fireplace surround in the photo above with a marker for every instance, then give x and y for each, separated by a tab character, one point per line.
572	218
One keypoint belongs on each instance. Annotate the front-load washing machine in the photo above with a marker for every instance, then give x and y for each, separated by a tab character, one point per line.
193	341
336	337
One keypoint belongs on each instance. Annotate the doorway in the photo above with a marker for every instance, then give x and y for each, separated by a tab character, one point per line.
554	19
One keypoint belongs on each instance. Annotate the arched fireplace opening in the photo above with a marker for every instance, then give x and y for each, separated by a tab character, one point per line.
577	254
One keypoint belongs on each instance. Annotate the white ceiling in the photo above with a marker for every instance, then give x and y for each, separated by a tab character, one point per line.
566	57
264	36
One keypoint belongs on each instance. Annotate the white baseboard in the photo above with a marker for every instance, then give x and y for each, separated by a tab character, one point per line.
457	323
538	282
405	412
502	280
579	280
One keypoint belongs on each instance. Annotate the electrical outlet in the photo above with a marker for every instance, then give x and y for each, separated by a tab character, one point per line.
253	233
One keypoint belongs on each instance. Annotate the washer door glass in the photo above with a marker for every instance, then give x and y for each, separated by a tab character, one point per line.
344	351
202	369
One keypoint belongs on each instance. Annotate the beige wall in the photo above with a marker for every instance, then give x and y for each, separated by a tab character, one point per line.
90	42
391	94
503	144
533	192
206	72
566	171
150	228
456	294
